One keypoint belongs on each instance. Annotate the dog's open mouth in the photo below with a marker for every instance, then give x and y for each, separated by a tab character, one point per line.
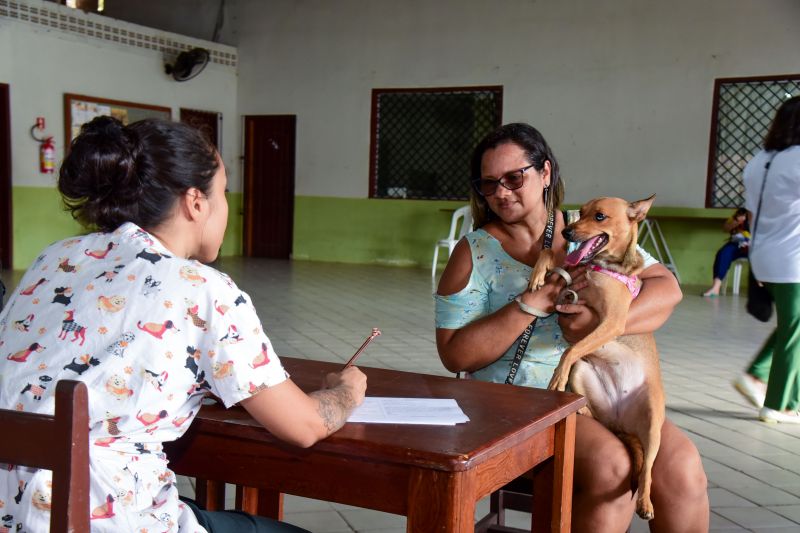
587	250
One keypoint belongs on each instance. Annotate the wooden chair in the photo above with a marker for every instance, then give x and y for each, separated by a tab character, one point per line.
520	494
517	496
60	443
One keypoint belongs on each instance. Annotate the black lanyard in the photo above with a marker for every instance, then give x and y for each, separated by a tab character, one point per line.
526	335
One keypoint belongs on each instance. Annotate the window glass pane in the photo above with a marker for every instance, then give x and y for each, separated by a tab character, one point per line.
424	138
744	110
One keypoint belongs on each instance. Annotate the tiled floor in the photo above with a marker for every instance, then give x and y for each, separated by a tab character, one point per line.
324	311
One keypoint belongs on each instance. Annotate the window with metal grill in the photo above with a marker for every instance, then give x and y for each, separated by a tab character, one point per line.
743	110
422	140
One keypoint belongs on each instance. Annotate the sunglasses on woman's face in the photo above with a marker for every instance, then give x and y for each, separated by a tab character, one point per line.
511	181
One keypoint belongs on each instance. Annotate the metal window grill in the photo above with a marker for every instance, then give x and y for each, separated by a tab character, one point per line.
423	138
743	111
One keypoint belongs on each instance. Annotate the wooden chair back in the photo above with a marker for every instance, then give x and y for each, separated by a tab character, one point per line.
60	443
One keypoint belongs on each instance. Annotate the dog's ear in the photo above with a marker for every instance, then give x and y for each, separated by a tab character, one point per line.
638	210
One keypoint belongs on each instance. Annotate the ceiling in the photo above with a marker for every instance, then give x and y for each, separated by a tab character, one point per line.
202	19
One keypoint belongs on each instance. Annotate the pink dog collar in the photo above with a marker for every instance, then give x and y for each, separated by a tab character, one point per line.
632	282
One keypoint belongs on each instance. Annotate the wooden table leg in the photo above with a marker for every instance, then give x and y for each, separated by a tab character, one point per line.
261	502
440	502
552	483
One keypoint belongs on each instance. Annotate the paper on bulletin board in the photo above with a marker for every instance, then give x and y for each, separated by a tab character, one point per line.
83	112
82	109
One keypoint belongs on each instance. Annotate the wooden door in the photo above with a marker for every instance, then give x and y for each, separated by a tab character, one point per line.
5	177
269	157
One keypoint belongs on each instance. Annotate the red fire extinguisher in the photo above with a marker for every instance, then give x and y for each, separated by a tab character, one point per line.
47	156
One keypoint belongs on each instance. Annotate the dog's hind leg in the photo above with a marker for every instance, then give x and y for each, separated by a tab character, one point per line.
578	384
584	380
650	436
611	327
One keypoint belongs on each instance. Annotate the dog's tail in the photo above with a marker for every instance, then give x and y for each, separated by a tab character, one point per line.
634	446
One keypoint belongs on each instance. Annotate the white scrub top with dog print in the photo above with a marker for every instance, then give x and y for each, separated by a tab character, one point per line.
149	334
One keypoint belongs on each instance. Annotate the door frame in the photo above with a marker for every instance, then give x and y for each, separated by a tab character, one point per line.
6	234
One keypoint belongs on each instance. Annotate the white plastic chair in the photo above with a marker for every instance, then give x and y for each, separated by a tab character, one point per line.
736	266
462	215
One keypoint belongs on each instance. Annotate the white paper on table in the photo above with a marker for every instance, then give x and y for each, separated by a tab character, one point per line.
430	411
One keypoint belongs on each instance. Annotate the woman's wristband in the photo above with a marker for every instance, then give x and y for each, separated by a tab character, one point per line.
529	308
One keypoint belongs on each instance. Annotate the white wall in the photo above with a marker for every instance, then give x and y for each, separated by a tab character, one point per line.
40	65
622	89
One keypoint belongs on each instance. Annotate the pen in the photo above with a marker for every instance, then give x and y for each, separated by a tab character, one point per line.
375	333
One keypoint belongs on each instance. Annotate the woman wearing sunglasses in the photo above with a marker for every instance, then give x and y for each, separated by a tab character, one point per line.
481	321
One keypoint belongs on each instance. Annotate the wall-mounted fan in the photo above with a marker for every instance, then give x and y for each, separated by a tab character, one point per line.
188	64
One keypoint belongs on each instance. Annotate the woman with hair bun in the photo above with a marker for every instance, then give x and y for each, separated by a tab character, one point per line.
130	310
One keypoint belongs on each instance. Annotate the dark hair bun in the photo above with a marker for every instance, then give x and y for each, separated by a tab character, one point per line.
115	174
100	171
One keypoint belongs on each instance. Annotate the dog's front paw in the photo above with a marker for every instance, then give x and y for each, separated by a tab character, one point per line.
537	280
543	265
559	381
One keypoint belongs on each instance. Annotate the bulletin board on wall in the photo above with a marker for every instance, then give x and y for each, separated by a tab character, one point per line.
80	109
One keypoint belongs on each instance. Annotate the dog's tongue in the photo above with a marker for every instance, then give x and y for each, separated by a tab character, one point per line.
576	256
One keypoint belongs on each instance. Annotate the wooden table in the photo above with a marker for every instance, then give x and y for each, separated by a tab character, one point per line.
434	475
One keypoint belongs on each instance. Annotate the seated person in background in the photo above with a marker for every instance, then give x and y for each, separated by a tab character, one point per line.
736	248
134	313
479	326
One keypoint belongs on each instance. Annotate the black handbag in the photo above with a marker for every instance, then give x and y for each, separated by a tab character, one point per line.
759	300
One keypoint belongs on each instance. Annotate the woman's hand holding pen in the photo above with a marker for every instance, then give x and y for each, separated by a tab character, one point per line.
352	380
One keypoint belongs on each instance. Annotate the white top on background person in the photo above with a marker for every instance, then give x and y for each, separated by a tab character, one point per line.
775	252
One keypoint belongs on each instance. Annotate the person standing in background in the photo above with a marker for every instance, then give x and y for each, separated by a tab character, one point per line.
772	195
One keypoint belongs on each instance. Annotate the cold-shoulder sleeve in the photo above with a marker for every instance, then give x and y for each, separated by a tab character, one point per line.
454	311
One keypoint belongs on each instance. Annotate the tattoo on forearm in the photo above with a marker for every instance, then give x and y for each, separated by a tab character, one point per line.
334	407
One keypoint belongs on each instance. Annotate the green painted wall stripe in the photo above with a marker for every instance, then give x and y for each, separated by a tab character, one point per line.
403	232
360	230
350	230
39	219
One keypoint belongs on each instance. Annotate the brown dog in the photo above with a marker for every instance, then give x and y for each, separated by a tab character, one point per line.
619	375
